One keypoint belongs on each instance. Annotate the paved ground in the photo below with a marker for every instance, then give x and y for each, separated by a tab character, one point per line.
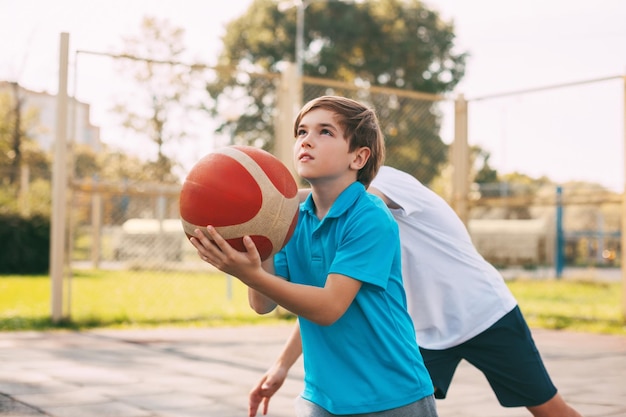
208	372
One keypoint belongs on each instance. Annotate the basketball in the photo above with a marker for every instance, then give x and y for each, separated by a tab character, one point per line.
241	190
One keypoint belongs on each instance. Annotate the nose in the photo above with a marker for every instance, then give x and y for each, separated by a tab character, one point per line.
305	141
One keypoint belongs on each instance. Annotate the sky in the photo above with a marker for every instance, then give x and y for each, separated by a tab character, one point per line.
567	133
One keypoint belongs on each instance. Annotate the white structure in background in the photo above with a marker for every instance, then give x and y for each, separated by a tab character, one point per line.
514	242
141	239
45	104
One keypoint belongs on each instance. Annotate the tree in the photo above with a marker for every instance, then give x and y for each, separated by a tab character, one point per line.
85	162
153	57
484	173
16	125
113	167
16	134
387	43
5	136
19	154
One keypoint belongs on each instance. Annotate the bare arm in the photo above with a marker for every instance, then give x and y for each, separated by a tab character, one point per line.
321	305
274	378
258	301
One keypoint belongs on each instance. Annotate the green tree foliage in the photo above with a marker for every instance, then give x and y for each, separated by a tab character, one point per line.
17	147
85	162
24	205
387	43
29	248
6	121
165	85
485	174
16	133
112	167
121	167
21	158
522	184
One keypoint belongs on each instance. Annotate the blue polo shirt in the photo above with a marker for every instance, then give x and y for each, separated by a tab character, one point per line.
368	360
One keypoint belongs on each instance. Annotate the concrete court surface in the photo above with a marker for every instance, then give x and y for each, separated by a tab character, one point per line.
209	371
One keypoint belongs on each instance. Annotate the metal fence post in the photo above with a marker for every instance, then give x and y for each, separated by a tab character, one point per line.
559	255
96	225
460	160
623	231
59	187
287	104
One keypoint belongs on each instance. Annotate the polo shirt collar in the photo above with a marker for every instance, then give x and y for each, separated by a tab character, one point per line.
344	201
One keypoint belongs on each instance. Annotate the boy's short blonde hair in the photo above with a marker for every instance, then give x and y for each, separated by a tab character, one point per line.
360	126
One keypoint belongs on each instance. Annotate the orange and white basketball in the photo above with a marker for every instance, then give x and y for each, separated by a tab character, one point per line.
241	190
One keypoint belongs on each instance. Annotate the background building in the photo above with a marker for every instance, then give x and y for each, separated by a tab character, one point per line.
45	104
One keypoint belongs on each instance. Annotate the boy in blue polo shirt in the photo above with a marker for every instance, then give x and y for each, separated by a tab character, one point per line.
340	273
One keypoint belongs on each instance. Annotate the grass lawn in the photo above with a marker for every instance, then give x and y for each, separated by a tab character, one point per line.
149	299
573	305
129	299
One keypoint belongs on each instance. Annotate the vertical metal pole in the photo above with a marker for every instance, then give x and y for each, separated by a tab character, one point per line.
559	256
96	226
623	232
71	167
301	6
59	186
285	117
460	160
599	237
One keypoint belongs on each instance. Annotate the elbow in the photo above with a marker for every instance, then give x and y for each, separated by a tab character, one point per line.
260	303
325	321
328	317
262	308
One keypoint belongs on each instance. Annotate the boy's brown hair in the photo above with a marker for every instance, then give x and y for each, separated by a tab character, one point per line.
360	126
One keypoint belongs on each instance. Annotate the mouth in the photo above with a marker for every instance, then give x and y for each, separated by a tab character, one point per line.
303	157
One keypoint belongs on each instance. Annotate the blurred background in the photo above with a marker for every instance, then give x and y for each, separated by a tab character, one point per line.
511	111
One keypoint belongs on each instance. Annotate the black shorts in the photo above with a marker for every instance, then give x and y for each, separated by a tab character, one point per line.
506	354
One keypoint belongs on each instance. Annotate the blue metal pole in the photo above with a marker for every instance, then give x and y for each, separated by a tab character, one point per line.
559	253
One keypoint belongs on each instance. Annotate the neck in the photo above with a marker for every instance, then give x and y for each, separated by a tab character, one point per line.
324	195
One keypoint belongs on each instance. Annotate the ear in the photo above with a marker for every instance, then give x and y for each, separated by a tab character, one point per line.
361	156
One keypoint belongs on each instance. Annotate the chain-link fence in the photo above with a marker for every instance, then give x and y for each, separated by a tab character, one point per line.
129	222
132	222
571	135
411	122
134	225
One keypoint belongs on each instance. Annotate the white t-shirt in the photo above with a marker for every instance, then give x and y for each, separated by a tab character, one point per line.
453	294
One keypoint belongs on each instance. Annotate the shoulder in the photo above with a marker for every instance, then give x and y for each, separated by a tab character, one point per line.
373	203
371	213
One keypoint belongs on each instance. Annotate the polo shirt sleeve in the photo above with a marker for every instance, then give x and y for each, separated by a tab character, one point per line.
280	264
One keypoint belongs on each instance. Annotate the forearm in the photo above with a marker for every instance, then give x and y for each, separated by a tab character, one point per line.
319	305
258	301
291	351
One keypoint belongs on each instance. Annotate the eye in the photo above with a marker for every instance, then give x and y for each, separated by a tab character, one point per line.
301	132
326	132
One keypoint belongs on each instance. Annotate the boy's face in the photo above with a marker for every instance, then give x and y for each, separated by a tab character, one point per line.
321	150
